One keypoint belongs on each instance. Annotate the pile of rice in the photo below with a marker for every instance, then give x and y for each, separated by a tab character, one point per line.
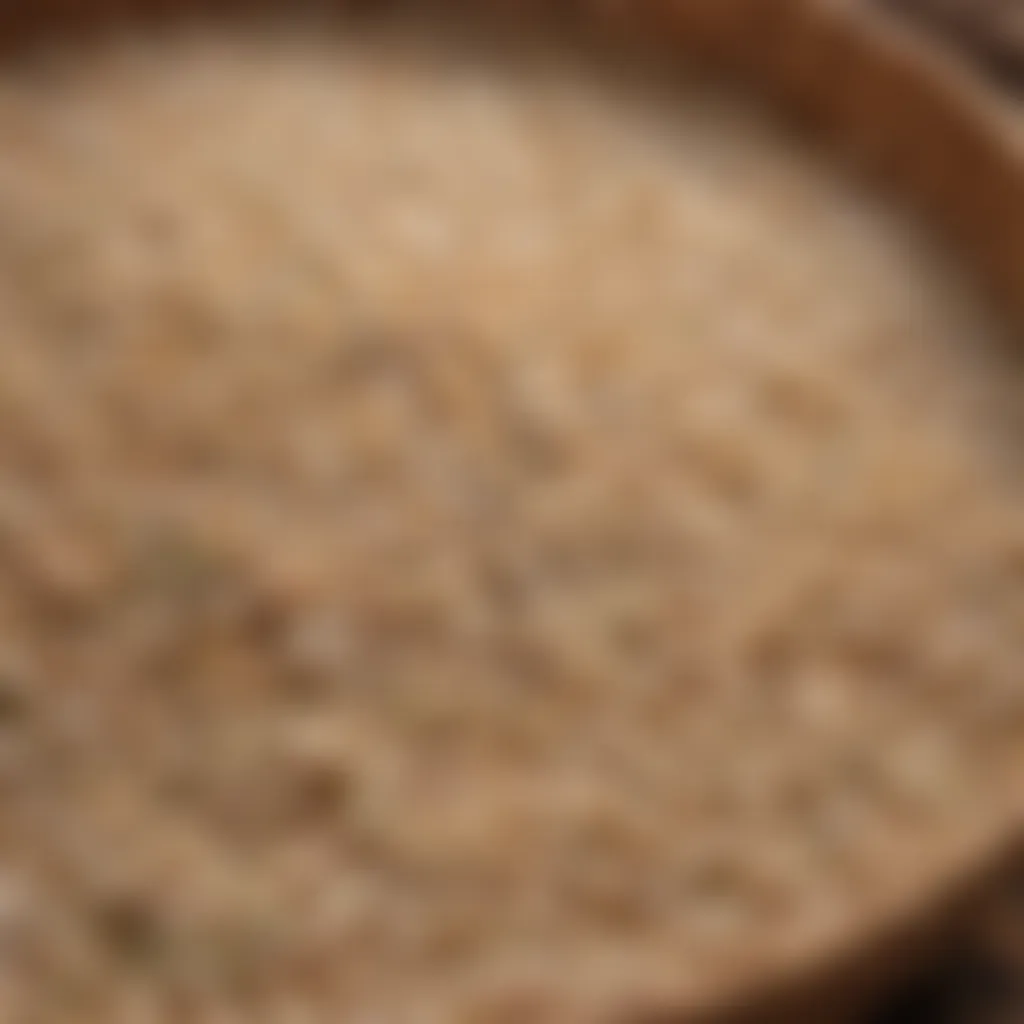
482	539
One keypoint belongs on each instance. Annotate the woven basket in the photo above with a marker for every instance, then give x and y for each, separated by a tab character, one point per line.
901	102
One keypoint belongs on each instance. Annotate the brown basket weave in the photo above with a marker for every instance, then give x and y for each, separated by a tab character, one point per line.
902	103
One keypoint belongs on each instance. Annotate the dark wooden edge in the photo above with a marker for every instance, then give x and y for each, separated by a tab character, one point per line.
989	33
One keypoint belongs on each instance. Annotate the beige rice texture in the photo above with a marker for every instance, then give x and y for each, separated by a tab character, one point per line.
483	539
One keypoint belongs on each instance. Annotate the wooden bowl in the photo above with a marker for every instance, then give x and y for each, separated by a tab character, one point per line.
903	103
